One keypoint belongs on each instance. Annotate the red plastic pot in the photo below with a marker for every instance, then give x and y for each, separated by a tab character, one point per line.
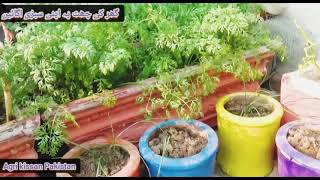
17	142
95	120
131	169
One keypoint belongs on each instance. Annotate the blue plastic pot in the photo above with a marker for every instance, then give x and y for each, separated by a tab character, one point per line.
201	164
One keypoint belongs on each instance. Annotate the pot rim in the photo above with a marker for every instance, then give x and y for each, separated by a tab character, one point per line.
290	152
250	121
311	86
133	161
179	163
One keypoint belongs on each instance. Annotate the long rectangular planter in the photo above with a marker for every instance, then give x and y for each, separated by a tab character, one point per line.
95	119
17	142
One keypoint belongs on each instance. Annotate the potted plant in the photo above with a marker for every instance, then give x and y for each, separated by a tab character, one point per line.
302	87
103	157
179	148
84	59
247	126
298	149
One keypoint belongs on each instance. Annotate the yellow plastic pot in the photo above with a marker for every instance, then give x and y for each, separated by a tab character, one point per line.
247	143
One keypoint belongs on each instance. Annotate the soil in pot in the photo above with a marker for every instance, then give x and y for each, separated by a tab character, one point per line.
249	106
306	140
102	161
178	141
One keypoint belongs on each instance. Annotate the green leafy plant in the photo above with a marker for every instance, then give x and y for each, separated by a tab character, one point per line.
15	26
52	133
218	43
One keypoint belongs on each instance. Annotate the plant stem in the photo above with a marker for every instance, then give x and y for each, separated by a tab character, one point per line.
9	37
245	97
8	100
76	144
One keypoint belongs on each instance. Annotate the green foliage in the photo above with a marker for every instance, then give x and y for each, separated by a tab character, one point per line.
109	100
182	95
52	133
218	41
16	26
59	62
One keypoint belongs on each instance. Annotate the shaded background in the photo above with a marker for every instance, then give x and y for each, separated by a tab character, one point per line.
307	15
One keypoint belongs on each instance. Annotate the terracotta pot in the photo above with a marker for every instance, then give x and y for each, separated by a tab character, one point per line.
17	142
131	169
288	116
96	120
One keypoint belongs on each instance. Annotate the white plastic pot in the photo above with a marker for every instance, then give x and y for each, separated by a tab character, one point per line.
300	96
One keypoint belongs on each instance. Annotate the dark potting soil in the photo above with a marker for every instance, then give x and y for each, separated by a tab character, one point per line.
178	141
305	140
250	106
103	161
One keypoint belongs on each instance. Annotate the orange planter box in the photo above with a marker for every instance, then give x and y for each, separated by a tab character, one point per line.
17	142
96	120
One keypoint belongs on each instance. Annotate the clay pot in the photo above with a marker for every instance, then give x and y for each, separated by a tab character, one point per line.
247	143
131	169
291	162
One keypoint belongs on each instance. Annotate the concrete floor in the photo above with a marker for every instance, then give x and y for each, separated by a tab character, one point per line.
306	15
